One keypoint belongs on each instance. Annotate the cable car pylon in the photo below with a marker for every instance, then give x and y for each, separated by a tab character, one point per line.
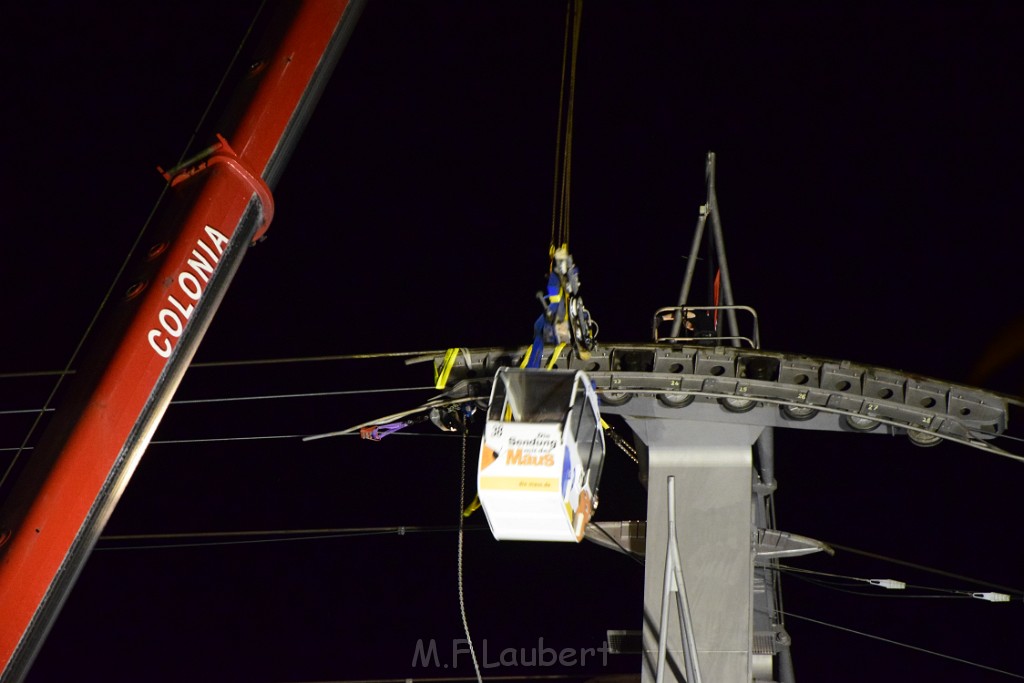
701	399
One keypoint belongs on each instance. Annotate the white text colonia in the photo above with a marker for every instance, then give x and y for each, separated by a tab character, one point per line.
191	283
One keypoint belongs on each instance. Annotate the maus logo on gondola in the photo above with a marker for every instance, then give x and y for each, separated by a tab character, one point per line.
517	457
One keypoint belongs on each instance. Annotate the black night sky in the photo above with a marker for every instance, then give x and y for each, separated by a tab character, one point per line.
869	173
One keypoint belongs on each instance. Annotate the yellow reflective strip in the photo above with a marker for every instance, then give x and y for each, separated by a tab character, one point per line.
473	507
604	425
555	298
526	358
541	484
441	378
555	354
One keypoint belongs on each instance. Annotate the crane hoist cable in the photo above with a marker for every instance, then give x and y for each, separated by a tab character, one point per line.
565	320
563	140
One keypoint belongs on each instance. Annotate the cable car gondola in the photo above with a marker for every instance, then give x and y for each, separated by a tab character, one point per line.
541	456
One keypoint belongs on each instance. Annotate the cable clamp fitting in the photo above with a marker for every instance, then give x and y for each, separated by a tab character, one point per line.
991	597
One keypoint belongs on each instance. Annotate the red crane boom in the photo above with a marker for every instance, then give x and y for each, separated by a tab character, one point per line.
216	206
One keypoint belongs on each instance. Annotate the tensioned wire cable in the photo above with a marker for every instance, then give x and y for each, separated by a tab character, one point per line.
273	437
904	645
615	438
271	361
210	539
922	567
206	539
268	437
306	394
406	435
233	399
845	583
124	264
358	356
459	679
46	408
255	361
353	392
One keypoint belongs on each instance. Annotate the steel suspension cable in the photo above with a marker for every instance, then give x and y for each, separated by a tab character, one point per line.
844	583
924	568
303	437
225	538
258	361
268	437
904	645
257	397
318	359
459	679
306	394
124	264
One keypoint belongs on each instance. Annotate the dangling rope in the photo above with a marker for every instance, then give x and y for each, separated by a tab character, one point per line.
462	517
